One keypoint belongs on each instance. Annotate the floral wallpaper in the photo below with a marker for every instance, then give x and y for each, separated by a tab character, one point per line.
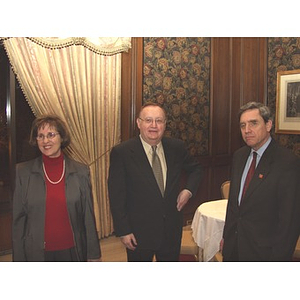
177	75
283	54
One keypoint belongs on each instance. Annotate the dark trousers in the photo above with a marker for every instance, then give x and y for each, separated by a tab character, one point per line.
234	256
61	255
165	253
145	255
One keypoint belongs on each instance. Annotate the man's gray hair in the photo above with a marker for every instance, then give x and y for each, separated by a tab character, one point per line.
264	110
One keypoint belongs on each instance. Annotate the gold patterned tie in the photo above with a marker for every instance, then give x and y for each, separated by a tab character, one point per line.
157	170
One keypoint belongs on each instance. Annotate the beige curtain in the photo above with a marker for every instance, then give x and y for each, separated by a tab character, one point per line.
84	89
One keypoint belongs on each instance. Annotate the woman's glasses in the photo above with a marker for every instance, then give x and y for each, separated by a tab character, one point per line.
49	136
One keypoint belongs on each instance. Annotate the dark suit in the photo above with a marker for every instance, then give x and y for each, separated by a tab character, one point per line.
265	227
137	205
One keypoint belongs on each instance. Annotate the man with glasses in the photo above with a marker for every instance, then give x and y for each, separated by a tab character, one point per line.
145	192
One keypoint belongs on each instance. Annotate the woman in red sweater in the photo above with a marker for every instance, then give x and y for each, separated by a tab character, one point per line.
53	216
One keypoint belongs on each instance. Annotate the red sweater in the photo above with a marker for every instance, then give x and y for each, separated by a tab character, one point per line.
58	231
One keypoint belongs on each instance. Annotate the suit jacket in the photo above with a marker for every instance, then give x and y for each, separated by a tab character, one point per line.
29	204
266	224
137	205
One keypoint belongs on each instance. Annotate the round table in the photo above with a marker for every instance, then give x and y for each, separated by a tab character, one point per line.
207	227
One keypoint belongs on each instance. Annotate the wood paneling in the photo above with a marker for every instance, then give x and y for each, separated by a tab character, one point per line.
8	153
220	95
238	75
132	85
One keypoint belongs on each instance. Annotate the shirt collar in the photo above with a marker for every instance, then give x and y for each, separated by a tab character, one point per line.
148	147
262	149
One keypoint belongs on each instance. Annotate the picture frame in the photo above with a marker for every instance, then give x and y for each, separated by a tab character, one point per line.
288	102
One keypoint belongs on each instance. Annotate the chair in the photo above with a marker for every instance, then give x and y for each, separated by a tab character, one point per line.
218	257
188	246
225	189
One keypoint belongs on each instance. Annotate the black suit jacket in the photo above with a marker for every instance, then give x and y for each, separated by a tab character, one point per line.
137	205
266	225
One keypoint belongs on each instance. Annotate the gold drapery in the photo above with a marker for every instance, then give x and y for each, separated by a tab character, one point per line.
84	89
99	45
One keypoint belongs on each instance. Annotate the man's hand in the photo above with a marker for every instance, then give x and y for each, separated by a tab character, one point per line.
183	198
129	241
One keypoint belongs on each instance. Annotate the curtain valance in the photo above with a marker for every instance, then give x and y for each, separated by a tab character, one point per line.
99	45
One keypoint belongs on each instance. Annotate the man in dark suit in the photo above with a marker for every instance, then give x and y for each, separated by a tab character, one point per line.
146	217
262	222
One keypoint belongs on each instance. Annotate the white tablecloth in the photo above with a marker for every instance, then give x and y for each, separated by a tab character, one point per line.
207	227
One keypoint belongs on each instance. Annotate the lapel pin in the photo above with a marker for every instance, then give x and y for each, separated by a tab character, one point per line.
260	176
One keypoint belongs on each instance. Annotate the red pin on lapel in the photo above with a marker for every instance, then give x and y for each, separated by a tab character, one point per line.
260	176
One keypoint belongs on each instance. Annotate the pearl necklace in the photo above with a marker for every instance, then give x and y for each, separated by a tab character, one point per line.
62	175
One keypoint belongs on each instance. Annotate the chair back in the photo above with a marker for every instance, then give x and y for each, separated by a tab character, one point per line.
225	189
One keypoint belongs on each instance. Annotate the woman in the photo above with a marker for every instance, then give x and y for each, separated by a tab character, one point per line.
53	217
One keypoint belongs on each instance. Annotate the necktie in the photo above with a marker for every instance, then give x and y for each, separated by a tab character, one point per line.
157	170
250	173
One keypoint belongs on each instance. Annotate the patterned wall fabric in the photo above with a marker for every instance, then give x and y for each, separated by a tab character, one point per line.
283	54
177	75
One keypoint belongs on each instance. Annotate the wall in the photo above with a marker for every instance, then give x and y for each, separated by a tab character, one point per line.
283	54
5	187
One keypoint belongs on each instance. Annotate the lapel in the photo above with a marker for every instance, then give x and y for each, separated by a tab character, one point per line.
140	159
37	166
261	172
69	166
239	165
242	159
170	157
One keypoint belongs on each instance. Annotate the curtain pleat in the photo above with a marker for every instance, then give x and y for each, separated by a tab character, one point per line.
83	88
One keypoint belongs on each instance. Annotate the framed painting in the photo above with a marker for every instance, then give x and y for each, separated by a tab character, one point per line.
288	102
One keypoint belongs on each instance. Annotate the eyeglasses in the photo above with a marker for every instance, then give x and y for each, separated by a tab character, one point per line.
149	121
49	136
